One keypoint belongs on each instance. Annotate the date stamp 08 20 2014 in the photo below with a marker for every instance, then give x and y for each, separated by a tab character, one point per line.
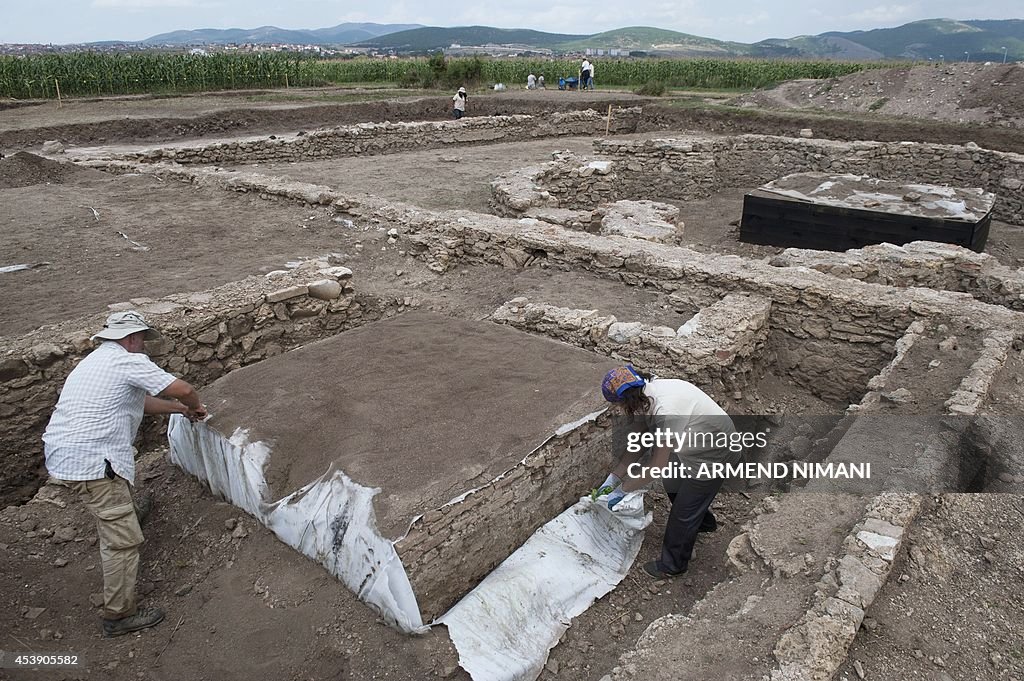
18	660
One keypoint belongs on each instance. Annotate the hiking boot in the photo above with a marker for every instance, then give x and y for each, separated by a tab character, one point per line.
654	570
143	619
708	523
143	505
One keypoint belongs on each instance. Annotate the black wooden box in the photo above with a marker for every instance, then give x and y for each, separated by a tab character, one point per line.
840	212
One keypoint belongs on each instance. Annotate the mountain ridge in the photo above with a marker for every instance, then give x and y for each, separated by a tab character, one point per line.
927	39
341	34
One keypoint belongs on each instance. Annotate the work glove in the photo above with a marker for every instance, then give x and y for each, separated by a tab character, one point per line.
615	497
605	487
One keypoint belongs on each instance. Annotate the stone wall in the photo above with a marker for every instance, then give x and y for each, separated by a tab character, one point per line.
381	138
204	336
920	263
502	514
722	348
973	389
686	169
830	335
814	648
639	170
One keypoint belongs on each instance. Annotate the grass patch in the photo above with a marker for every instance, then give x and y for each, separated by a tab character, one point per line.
652	88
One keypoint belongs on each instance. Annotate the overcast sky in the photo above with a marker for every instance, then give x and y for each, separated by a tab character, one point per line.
74	21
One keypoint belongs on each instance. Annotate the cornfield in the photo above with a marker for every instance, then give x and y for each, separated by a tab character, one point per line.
687	73
83	74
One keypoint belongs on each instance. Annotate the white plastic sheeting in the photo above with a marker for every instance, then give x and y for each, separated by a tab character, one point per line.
331	519
504	628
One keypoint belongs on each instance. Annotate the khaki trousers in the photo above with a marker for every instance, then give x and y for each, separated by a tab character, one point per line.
120	536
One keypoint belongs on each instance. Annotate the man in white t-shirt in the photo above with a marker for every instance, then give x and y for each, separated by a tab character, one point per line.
684	410
88	446
459	104
584	74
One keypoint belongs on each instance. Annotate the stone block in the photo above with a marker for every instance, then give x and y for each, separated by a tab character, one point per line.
325	289
287	294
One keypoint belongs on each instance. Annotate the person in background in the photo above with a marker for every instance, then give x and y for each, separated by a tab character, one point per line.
540	81
674	405
459	103
531	82
584	73
88	448
590	80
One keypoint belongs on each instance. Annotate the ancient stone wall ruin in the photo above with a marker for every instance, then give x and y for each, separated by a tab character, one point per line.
471	535
723	348
386	137
204	335
931	265
695	168
830	335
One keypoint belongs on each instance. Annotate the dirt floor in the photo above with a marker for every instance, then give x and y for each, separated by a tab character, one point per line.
953	606
232	591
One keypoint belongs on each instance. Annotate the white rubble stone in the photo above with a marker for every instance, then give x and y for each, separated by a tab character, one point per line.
691	325
325	289
880	544
336	272
621	332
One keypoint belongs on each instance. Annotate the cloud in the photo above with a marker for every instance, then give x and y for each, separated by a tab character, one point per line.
884	14
150	4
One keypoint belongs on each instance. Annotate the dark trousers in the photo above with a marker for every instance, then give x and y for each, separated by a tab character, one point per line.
691	508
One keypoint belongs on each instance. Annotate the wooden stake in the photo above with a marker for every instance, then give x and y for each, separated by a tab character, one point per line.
60	104
608	125
286	81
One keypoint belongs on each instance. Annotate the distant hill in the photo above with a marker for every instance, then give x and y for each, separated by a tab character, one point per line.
806	46
980	40
658	40
342	34
435	38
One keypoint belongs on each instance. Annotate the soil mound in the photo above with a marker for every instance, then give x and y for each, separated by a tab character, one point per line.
24	170
957	92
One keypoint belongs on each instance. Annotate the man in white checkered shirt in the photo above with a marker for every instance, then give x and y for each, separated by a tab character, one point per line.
88	445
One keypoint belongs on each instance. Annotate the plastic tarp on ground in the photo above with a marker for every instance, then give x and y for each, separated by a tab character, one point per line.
330	520
504	628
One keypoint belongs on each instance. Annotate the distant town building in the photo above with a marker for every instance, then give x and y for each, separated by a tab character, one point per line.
492	50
